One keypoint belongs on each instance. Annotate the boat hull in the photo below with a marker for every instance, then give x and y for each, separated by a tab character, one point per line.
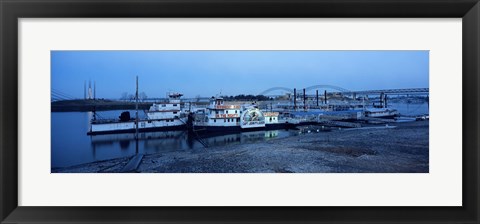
236	129
277	126
132	130
215	129
143	126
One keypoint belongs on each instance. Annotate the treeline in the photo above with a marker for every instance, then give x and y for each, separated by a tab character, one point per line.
131	97
243	97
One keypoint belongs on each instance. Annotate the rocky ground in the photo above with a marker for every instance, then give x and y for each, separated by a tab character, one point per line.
400	149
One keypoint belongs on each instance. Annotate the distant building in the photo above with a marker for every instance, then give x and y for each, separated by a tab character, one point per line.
90	93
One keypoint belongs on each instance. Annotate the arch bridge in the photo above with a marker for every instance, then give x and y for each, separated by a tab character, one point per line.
343	91
290	90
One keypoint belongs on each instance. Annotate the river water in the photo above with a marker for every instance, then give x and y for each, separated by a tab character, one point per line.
72	146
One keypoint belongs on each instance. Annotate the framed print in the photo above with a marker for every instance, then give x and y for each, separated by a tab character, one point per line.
225	111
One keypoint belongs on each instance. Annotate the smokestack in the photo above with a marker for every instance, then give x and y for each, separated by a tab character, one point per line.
325	96
381	100
385	100
89	89
304	100
317	97
94	89
294	98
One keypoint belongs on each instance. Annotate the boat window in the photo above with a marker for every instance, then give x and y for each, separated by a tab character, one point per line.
216	112
270	118
238	119
235	111
214	120
226	111
174	105
174	112
163	105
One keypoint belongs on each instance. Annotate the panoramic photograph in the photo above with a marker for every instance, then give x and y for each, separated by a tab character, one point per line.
239	111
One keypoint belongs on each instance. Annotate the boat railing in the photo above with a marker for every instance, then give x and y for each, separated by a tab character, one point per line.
108	120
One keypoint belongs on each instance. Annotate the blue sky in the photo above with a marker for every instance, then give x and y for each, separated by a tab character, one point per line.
207	73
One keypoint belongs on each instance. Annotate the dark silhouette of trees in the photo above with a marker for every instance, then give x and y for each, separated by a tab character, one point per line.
249	97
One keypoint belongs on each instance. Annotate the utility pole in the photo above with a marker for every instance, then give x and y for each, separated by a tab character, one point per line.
304	100
325	96
295	99
136	110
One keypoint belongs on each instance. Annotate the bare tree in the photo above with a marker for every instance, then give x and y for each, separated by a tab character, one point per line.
131	97
124	96
142	96
198	98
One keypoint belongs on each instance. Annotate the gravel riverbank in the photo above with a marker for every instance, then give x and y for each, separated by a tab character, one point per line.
400	149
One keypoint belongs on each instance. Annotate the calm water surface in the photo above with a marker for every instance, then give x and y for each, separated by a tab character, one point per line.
72	146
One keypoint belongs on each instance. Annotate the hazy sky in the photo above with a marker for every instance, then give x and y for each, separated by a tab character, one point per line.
208	73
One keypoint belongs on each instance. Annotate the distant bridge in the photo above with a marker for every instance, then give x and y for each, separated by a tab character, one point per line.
412	91
289	90
343	91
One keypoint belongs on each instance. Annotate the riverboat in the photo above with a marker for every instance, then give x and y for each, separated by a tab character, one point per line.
160	117
220	117
381	112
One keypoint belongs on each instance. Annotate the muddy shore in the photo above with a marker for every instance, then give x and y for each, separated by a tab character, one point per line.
399	149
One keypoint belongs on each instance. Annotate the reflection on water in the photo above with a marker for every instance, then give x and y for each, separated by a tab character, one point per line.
72	146
168	141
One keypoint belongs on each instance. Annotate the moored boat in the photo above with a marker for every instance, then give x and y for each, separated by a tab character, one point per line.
221	117
381	112
160	117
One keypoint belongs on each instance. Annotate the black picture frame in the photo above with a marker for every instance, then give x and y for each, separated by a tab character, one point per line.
11	11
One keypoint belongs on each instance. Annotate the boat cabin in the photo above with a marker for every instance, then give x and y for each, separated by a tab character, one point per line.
166	110
219	114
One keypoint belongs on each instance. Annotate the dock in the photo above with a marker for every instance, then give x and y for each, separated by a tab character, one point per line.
132	164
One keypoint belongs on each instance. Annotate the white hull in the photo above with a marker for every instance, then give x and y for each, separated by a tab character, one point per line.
142	125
